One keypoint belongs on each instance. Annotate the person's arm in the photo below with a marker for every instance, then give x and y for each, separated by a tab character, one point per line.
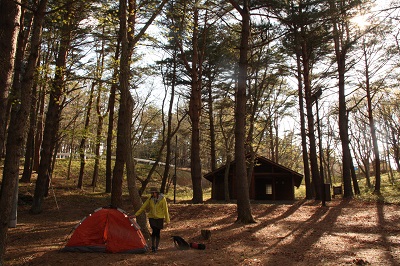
144	206
166	214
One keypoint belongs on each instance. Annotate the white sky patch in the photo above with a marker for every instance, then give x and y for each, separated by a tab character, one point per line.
361	21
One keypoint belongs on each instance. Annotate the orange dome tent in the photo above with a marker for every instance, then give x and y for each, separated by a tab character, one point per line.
107	230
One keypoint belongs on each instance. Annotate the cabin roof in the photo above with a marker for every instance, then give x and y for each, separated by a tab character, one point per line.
263	160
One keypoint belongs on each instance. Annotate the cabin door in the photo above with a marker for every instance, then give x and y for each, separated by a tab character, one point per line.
264	189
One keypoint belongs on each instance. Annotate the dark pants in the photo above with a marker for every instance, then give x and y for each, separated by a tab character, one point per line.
156	226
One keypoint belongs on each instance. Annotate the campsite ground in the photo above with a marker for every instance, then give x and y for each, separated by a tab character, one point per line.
290	233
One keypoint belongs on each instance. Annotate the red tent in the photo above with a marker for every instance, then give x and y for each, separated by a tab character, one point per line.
107	230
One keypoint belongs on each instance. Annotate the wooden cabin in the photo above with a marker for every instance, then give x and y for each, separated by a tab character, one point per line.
269	181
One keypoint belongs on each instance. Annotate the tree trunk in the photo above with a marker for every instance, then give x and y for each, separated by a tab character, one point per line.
169	136
344	137
372	128
354	179
111	105
52	118
213	160
195	107
271	138
39	129
227	135
100	116
128	42
124	123
277	137
110	129
249	143
131	179
15	145
97	152
307	178
82	145
226	177
195	163
72	138
341	46
10	13
395	147
30	145
310	118
243	198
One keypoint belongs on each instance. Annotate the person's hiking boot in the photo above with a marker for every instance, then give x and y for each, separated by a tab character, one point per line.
153	249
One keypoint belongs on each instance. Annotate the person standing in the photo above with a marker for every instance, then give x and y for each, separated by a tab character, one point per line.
157	208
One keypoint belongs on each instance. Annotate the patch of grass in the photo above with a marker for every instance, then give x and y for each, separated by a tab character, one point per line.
390	192
300	193
183	189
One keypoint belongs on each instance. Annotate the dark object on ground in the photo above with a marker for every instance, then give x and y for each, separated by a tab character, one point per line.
337	191
197	246
206	234
180	243
360	262
25	199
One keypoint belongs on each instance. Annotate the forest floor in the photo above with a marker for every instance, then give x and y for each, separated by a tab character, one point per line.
285	233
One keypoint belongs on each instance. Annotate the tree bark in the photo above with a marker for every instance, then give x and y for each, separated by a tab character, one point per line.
128	42
82	145
341	46
310	116
227	135
227	196
39	129
377	161
111	111
100	115
30	144
10	13
131	180
307	178
100	119
169	136
244	214
124	124
53	116
195	106
213	160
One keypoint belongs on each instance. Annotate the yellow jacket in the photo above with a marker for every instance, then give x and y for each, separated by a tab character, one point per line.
158	208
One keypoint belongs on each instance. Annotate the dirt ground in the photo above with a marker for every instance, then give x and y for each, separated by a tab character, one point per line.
295	233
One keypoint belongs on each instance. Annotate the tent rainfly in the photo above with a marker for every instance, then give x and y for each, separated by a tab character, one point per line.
108	230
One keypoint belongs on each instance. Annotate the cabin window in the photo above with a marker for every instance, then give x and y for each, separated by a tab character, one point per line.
268	189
